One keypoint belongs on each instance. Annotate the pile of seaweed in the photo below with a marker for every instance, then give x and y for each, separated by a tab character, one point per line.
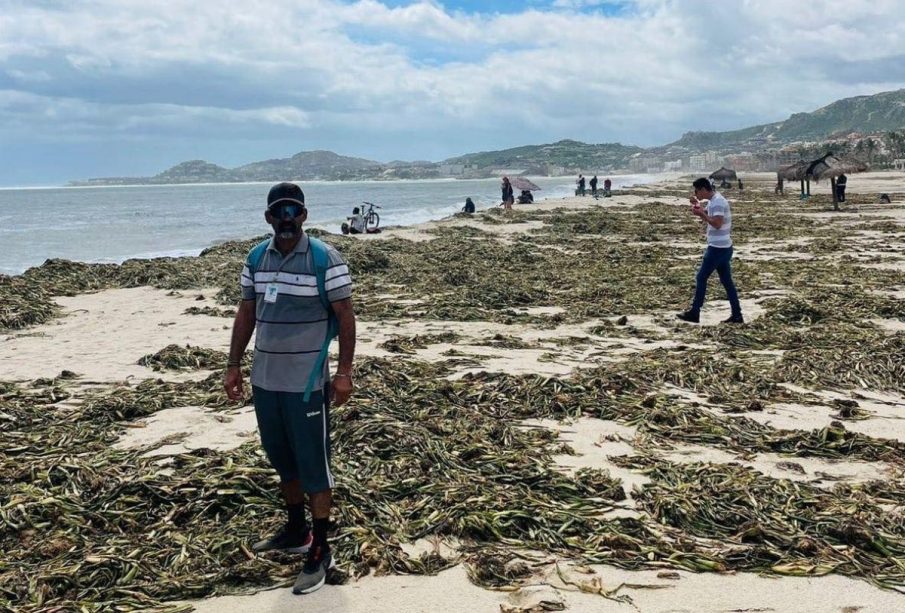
422	451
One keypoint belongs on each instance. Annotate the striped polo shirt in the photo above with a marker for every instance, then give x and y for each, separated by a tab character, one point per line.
719	206
291	330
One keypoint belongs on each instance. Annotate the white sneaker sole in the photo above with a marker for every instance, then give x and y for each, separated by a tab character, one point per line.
300	549
317	585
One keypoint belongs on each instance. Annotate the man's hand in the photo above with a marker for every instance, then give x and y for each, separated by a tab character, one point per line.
232	383
340	390
694	201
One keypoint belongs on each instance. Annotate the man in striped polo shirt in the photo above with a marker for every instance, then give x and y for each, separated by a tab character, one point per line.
718	255
281	298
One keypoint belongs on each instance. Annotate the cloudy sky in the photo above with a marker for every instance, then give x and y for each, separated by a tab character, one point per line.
117	87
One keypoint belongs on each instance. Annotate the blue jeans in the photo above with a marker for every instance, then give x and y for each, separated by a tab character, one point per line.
718	259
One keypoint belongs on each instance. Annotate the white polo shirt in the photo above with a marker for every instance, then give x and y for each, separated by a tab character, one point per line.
719	207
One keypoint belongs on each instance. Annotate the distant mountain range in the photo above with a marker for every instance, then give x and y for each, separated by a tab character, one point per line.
304	164
881	114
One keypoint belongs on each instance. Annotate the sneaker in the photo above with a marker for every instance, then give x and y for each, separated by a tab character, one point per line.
690	316
283	541
314	573
734	319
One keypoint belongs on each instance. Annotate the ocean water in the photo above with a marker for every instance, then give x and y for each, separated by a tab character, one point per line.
113	224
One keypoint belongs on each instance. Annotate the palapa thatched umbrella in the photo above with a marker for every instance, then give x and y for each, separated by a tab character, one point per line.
723	174
794	172
832	166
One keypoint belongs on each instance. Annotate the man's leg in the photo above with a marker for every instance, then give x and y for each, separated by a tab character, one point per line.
295	535
708	265
311	431
321	503
724	270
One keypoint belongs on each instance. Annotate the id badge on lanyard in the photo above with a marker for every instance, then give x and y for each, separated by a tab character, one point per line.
271	293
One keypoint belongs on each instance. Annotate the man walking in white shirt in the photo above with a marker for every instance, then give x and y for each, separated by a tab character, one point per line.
718	255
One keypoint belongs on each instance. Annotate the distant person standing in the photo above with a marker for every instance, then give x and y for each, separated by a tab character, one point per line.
607	188
594	186
740	186
508	196
580	185
718	255
841	182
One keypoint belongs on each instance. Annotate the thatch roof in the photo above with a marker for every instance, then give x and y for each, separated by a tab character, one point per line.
794	172
723	174
832	166
521	183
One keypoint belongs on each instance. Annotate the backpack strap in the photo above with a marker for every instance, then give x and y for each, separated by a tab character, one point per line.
321	259
255	256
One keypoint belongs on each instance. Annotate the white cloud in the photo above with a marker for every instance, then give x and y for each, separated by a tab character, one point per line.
374	75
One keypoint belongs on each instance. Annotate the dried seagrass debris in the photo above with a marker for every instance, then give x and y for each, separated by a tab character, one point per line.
420	455
409	344
849	410
786	525
211	311
505	341
177	357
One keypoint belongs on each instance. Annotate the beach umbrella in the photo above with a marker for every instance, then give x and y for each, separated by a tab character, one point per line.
723	174
832	166
523	184
794	172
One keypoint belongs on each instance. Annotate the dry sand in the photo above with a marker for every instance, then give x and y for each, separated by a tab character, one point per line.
105	333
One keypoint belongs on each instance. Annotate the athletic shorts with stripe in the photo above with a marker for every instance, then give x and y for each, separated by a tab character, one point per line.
296	436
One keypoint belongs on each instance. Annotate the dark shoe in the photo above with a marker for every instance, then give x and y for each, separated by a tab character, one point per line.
314	573
690	316
283	541
734	319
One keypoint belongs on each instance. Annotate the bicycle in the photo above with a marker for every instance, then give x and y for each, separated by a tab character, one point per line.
372	219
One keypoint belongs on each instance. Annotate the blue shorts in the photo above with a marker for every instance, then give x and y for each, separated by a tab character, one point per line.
296	436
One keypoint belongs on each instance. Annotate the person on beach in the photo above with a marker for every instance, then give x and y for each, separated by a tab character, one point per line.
718	217
593	184
841	182
469	206
294	290
357	222
508	197
607	186
580	185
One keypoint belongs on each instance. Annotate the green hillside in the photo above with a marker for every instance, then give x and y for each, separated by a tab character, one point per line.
568	153
883	112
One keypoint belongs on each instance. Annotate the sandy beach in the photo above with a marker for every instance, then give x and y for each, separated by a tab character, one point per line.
822	293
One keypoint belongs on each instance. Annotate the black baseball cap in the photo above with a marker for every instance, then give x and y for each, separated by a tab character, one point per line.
285	192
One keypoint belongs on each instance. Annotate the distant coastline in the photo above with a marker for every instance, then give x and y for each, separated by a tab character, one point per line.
871	128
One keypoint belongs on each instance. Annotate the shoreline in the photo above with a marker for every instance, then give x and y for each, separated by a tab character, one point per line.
326	226
522	364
